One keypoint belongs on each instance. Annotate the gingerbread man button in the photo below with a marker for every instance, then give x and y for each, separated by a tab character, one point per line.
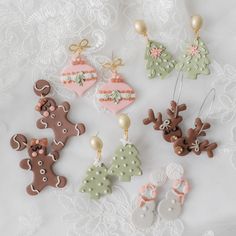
55	116
39	162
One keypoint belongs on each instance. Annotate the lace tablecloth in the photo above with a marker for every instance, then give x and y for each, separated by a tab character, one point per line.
34	44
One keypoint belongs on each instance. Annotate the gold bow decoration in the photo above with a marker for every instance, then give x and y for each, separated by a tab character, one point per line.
113	64
80	47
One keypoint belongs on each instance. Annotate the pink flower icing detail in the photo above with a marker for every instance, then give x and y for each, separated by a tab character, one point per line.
193	50
155	52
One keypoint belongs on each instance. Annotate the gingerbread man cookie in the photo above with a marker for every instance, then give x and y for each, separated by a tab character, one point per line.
39	162
55	116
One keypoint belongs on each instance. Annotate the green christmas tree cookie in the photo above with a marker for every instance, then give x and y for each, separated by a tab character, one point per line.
126	163
159	62
195	61
96	183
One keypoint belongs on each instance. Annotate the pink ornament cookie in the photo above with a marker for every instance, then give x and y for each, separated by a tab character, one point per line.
79	76
116	94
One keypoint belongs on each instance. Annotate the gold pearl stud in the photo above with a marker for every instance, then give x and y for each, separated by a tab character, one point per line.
124	121
140	27
96	143
196	23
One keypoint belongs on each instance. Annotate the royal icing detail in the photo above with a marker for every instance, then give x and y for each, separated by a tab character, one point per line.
79	76
116	94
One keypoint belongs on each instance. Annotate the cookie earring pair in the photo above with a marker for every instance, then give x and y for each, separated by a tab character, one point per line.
169	208
160	63
125	164
183	145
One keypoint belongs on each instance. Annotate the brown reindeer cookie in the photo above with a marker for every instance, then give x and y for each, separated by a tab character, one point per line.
170	126
39	162
55	116
191	143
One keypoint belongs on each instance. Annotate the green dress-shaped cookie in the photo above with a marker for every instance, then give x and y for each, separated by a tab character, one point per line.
195	61
125	163
159	62
96	183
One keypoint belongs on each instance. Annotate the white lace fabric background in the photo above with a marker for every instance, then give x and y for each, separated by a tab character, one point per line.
34	44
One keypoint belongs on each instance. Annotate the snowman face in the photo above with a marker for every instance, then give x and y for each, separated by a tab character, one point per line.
170	208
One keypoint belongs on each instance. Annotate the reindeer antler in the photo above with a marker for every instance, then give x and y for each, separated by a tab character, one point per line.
173	113
151	119
200	127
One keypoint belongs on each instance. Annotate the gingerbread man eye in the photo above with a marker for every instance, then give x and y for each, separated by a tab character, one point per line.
48	104
64	131
44	108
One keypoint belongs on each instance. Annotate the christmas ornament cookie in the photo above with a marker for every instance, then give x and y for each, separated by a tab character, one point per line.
125	162
79	76
55	116
40	162
116	94
159	61
195	60
97	182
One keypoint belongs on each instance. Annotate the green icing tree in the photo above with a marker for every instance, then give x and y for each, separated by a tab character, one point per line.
159	62
96	183
195	61
125	163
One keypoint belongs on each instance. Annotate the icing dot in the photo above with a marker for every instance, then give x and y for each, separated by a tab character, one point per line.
83	190
122	158
100	184
42	171
130	153
122	173
105	191
92	178
45	179
133	162
98	172
97	194
40	163
105	178
142	215
170	209
131	170
64	131
90	169
58	123
139	173
86	181
114	158
173	201
117	166
125	165
121	150
90	189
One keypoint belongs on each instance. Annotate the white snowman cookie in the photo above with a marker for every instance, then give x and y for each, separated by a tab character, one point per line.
170	208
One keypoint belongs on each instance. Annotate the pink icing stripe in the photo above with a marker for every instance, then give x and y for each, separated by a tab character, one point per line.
147	187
